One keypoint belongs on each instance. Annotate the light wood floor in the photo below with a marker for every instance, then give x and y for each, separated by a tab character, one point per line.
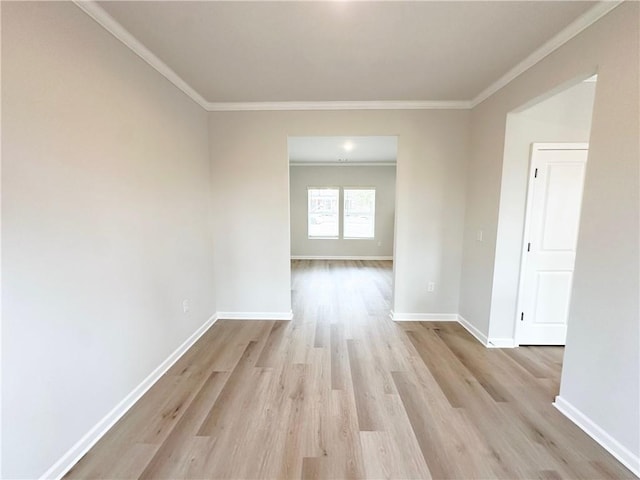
343	392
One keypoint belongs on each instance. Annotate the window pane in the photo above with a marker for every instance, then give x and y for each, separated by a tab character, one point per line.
323	212
359	213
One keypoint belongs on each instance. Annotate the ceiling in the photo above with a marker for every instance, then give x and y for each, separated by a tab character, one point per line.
343	150
320	51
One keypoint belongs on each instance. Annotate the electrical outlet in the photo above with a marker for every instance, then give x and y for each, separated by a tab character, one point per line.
379	244
431	287
185	306
479	235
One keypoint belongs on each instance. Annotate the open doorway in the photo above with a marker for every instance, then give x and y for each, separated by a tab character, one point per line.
342	204
342	194
545	161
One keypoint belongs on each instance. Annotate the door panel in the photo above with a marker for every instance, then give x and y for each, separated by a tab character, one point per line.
551	232
553	289
562	210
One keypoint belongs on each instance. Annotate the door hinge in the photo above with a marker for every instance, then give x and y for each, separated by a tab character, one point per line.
535	174
529	247
521	316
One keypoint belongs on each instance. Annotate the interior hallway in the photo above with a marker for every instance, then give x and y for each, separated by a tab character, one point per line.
343	392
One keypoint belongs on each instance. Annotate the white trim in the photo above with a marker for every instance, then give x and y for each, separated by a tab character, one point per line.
91	8
82	446
1	310
517	328
337	105
255	315
423	317
574	28
623	454
96	12
473	330
342	164
544	146
501	343
342	257
453	317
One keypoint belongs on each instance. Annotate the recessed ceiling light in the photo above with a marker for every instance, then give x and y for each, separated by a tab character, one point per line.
348	146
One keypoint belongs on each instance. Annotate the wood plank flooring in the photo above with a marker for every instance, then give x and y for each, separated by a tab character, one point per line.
341	391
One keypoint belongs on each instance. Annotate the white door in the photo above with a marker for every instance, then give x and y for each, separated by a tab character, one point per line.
551	233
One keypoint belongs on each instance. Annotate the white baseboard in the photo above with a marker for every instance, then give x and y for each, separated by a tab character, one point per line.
255	315
493	342
624	455
423	317
341	257
481	337
75	453
453	317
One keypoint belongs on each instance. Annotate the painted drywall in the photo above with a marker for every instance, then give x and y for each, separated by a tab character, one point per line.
250	172
601	373
565	117
382	178
105	227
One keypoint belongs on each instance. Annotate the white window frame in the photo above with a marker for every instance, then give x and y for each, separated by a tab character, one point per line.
343	210
331	237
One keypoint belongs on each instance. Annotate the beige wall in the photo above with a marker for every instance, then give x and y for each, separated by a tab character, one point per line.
250	175
382	178
106	179
105	227
601	373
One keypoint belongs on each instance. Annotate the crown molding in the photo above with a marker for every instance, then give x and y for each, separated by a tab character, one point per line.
341	164
339	105
591	16
95	11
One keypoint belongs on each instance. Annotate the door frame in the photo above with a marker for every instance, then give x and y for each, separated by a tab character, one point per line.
535	147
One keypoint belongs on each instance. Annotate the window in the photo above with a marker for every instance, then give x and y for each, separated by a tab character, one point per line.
323	215
359	213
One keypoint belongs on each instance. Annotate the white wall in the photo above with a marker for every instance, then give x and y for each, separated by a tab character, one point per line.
382	178
601	374
105	227
565	117
251	186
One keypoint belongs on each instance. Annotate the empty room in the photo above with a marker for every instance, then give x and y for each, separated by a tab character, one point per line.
326	239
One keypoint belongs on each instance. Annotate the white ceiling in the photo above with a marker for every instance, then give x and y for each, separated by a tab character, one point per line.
340	50
343	150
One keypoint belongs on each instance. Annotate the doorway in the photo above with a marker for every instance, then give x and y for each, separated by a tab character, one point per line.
342	197
560	117
342	205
